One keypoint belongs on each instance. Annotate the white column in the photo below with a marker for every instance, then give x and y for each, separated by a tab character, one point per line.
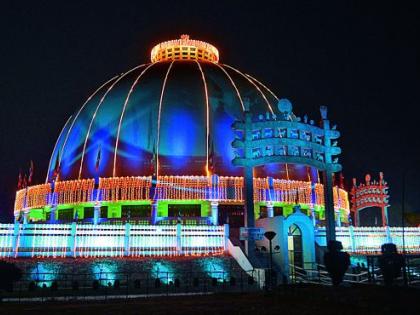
352	239
73	241
127	239
388	234
178	238
226	237
215	212
154	212
96	212
338	219
53	213
25	217
270	209
16	238
313	216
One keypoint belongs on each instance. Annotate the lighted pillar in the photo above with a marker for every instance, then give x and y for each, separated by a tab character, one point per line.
96	212
215	212
25	217
16	238
72	242
271	194
178	238
127	239
270	209
53	213
352	239
384	216
329	205
313	215
226	237
154	212
338	218
388	234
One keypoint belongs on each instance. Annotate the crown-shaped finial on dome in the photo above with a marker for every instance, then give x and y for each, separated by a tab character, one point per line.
184	48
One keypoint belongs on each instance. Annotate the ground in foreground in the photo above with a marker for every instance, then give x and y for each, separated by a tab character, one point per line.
305	299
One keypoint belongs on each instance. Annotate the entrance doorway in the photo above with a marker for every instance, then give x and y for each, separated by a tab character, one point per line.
295	247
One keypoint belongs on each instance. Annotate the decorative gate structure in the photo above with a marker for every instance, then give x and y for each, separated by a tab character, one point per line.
370	194
286	139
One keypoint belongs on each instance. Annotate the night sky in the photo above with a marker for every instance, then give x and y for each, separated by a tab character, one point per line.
358	58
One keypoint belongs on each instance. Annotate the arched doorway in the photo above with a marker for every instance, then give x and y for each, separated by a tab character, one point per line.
295	247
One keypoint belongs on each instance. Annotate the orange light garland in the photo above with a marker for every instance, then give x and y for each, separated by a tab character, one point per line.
221	188
74	191
20	199
125	188
37	196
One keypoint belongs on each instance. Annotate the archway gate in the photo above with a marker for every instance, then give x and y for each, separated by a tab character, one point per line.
372	193
285	139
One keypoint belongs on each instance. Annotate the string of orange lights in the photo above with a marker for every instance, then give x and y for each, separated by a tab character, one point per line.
221	188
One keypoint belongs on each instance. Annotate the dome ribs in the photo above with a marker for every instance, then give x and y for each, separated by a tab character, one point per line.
55	148
233	84
253	83
262	84
153	120
96	111
122	115
78	113
159	116
207	117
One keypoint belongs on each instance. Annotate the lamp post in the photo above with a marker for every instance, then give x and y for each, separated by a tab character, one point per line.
270	235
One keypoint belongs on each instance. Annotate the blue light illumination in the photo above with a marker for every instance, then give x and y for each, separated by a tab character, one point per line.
215	268
163	271
183	125
105	272
44	273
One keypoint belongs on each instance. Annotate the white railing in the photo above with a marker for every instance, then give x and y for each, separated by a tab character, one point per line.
83	240
368	240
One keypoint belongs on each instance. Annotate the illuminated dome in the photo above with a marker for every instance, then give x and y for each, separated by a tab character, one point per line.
169	117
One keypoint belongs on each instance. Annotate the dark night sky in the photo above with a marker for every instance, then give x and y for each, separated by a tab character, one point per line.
359	58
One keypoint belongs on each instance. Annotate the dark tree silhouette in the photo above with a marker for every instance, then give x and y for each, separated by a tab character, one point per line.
336	261
390	263
9	274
